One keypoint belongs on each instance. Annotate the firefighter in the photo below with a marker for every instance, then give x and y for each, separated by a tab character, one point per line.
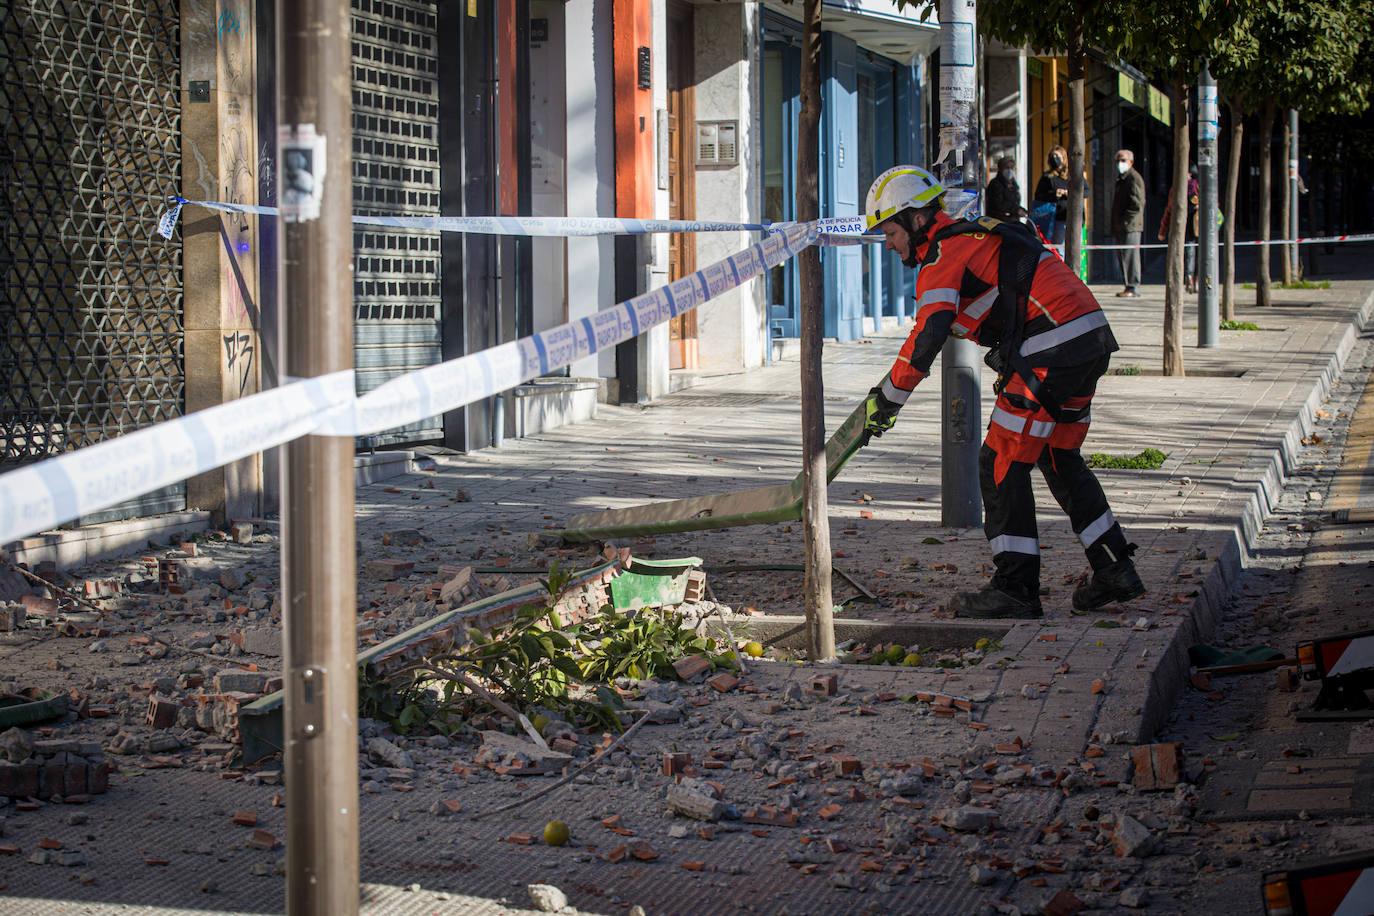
1049	342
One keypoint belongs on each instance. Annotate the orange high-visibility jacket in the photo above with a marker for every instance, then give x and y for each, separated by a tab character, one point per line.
956	292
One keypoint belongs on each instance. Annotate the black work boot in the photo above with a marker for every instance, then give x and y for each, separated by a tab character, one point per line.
991	601
1117	582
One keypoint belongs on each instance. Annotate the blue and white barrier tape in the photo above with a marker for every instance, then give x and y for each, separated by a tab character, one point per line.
43	495
1315	240
552	226
57	490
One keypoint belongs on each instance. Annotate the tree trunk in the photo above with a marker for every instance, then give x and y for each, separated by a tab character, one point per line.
1073	228
1177	231
1285	205
1263	295
820	624
1228	288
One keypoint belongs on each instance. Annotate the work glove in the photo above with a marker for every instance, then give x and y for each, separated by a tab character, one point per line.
879	414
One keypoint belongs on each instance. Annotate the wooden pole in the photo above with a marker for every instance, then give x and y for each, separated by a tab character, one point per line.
820	609
319	562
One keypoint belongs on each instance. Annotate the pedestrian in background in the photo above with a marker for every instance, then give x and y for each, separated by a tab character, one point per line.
1004	193
1189	230
1050	211
1128	220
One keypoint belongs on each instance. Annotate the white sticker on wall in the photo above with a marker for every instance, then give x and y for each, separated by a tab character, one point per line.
302	157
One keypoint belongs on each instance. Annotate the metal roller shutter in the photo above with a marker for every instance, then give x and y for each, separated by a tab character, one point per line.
396	173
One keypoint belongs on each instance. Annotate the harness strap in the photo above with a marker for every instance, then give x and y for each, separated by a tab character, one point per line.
1016	264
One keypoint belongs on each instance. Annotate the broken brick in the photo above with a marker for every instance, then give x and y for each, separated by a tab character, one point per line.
691	666
829	811
824	685
1063	903
724	682
617	854
676	763
1099	686
162	711
245	818
1156	766
846	765
643	851
49	843
520	839
386	570
263	840
694	866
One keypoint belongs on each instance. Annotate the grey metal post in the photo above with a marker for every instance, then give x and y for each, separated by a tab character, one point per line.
1292	246
960	169
319	563
1208	311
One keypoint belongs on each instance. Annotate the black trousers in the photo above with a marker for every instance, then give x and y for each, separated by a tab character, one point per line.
1009	507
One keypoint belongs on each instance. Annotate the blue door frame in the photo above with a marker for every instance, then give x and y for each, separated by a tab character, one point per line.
896	129
782	290
842	266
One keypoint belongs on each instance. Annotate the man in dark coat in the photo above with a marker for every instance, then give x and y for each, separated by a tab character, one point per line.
1128	220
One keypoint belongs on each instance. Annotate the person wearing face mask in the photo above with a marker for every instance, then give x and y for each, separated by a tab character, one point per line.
1051	207
1128	220
1004	193
992	282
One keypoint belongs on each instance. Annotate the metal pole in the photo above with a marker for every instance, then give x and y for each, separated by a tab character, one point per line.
960	169
1209	320
319	589
1293	192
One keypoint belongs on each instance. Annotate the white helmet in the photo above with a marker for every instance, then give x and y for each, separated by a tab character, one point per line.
900	188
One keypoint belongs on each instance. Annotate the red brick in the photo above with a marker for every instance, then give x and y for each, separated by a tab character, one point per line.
691	666
39	607
1099	686
617	854
263	840
1063	903
673	764
10	849
76	779
824	685
724	682
642	851
98	778
846	765
246	818
694	866
49	843
520	839
162	711
829	811
52	779
386	570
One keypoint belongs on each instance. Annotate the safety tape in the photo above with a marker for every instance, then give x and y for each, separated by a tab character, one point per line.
550	226
1315	240
43	495
46	494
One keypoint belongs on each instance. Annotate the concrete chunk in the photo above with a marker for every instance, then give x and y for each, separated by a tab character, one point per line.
547	898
